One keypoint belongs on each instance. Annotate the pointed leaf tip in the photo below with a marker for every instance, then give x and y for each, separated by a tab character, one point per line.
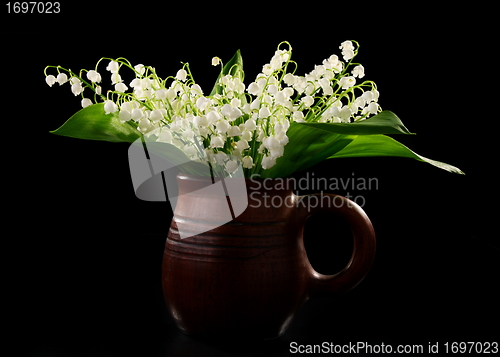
92	123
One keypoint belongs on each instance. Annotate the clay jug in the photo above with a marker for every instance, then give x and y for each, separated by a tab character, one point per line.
249	276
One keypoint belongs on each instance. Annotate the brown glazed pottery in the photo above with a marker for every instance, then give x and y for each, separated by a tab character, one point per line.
249	276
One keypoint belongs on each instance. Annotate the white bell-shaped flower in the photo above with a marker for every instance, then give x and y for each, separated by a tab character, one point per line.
247	135
347	45
272	89
271	142
50	80
161	94
360	102
235	114
202	103
307	100
283	139
136	83
124	115
190	150
264	112
227	110
234	131
372	108
220	158
144	125
140	68
181	75
347	50
137	114
232	166
116	78
113	67
289	79
247	162
94	76
254	89
200	121
347	54
213	117
255	105
333	111
110	107
345	114
156	115
242	144
77	88
347	82
165	136
86	102
188	134
268	162
277	151
196	90
267	69
216	142
298	116
368	96
222	126
250	124
75	80
281	98
358	71
121	87
62	78
327	90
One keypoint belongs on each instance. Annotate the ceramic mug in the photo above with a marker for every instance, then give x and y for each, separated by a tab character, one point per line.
249	276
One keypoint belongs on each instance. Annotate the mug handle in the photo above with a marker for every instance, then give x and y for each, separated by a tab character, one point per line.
363	247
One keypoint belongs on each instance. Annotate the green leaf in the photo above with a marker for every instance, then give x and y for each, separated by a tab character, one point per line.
308	146
92	123
234	67
385	122
381	145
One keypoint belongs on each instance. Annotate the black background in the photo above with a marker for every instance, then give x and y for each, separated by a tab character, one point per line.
83	254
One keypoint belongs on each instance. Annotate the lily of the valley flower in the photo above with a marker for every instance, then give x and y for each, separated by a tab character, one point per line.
181	75
50	79
76	86
110	107
113	67
247	162
358	71
347	50
62	78
121	87
94	76
347	82
232	166
86	102
246	124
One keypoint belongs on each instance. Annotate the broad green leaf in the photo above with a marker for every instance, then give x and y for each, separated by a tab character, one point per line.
234	67
307	146
385	122
93	124
381	145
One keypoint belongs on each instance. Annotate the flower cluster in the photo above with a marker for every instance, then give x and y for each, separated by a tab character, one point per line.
242	123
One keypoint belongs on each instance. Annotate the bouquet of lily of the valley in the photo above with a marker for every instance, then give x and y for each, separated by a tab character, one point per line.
280	123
